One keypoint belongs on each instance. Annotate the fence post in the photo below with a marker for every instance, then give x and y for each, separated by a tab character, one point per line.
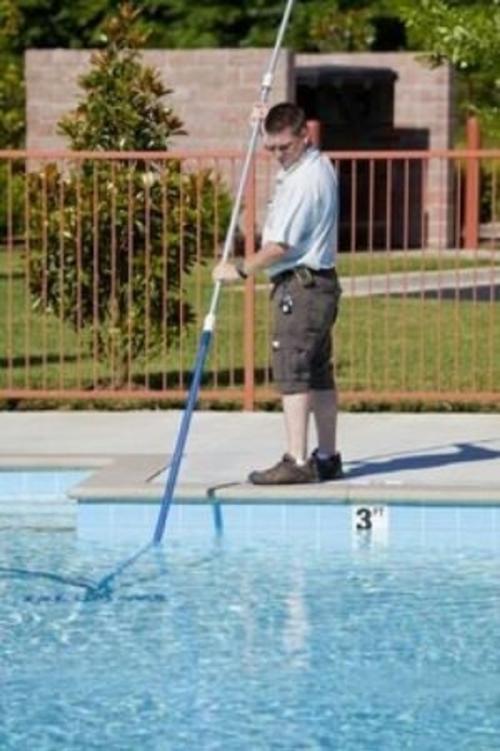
471	228
249	293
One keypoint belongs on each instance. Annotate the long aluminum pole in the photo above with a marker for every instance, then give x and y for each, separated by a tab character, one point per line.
266	86
209	322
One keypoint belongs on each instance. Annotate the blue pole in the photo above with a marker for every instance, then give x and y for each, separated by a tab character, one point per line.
209	324
203	347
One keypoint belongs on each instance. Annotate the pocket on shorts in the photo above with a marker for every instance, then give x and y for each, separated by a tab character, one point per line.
291	365
321	311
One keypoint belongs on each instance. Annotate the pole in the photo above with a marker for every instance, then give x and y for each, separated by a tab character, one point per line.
210	319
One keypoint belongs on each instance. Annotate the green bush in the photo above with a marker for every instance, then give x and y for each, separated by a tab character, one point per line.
490	193
11	101
12	197
123	237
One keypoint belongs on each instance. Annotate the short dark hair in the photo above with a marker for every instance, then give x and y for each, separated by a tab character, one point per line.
285	115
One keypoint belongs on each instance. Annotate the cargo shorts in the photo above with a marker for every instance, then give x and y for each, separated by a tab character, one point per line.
304	312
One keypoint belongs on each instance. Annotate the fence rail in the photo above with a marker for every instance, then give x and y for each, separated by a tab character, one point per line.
105	263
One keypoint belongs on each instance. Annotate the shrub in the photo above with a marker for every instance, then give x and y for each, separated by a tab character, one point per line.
12	182
114	235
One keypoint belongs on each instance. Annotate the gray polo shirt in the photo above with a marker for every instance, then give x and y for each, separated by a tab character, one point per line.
303	214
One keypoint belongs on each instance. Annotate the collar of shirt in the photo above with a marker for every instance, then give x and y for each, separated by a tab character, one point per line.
307	155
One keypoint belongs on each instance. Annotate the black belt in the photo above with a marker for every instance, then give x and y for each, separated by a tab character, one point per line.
304	274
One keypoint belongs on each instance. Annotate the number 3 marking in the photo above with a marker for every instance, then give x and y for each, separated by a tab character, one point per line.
364	519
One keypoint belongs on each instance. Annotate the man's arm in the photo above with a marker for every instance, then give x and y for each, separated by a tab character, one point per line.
227	271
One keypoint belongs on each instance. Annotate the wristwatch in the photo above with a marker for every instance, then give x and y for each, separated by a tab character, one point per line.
239	265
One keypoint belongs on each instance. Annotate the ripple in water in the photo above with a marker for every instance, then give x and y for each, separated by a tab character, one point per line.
256	647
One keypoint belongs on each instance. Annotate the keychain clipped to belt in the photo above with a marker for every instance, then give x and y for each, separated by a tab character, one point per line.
305	277
286	302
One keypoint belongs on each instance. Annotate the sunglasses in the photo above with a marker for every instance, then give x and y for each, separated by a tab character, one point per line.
281	148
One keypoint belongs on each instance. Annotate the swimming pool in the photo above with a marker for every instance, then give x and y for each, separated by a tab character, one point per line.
37	498
256	628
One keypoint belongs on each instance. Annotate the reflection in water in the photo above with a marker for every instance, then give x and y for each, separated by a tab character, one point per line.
296	627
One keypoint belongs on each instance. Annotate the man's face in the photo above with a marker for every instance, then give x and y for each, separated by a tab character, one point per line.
286	146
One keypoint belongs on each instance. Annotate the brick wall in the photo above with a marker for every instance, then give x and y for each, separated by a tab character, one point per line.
213	91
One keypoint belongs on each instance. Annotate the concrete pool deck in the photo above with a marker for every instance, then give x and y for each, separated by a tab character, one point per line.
388	457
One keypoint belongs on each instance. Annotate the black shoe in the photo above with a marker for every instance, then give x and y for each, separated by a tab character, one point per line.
328	469
285	472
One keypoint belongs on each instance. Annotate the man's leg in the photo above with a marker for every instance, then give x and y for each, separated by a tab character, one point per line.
296	409
294	466
324	408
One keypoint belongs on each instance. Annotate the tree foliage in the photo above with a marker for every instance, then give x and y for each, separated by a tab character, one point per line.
178	23
348	26
52	23
11	102
124	105
467	34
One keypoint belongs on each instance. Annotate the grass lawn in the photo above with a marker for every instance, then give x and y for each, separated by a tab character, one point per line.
401	344
363	264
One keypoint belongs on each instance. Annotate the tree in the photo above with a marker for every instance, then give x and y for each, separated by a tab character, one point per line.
466	33
347	26
114	237
39	24
52	23
124	107
11	103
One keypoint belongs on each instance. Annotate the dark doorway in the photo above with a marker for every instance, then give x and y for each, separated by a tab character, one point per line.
381	202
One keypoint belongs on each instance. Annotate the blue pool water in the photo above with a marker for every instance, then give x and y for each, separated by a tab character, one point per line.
260	628
45	484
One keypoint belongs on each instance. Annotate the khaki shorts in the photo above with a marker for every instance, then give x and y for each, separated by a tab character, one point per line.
304	312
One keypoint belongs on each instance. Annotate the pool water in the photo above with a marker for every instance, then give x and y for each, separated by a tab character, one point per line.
38	484
282	628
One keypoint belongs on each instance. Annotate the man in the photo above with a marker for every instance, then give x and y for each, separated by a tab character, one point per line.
298	252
